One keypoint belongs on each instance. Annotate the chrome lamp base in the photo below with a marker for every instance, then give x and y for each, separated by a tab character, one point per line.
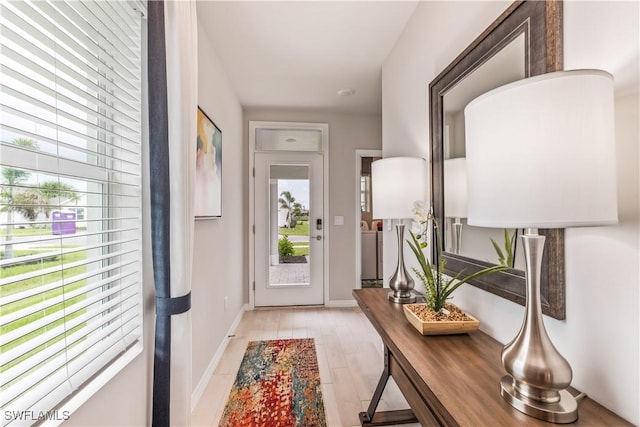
394	297
562	412
538	374
401	282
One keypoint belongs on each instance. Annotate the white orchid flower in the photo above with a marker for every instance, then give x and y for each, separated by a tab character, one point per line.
417	227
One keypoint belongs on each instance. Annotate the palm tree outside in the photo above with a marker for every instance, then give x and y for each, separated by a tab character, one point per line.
10	179
294	209
18	196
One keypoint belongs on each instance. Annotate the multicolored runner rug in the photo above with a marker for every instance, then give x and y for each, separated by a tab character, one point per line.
278	384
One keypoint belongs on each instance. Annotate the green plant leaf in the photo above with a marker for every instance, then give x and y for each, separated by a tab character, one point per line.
501	258
506	255
466	279
416	248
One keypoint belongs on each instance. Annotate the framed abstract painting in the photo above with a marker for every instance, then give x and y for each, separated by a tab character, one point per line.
208	185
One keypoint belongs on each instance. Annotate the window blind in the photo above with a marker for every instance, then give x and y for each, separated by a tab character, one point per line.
70	198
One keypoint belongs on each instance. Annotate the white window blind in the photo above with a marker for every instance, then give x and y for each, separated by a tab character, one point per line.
70	232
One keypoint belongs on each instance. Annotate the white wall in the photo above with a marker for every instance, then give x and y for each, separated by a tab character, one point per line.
600	335
347	132
219	267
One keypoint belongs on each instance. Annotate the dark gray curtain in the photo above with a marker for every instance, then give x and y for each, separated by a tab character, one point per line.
160	215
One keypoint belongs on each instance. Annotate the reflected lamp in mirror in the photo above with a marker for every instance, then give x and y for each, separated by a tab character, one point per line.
541	154
455	198
397	183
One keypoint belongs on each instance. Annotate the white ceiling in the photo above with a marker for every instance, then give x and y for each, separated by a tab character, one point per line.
298	54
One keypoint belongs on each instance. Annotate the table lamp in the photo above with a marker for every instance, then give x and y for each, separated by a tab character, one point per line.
397	182
455	197
541	154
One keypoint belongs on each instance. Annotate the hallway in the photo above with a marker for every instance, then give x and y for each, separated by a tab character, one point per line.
349	358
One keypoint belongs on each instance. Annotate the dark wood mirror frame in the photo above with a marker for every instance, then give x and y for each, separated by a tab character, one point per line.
541	22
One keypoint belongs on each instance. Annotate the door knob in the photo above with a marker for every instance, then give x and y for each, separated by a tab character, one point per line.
318	237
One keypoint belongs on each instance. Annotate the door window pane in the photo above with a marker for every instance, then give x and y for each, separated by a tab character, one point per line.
289	247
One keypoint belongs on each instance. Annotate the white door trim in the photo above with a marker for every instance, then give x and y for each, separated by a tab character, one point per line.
358	216
324	128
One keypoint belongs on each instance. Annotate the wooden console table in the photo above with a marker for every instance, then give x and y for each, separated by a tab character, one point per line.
451	380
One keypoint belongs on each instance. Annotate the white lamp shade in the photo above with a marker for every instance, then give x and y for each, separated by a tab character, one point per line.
455	188
541	153
397	182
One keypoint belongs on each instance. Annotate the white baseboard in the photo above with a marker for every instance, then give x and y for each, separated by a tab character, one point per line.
208	373
341	303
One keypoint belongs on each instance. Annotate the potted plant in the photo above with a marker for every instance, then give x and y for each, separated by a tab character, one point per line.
437	316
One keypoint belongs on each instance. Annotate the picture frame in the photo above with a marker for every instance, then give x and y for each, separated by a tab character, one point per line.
208	180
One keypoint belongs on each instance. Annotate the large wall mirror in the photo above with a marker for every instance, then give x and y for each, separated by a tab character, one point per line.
524	41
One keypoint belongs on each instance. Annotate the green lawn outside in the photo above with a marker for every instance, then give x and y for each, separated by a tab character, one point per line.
300	250
26	302
302	229
32	231
24	285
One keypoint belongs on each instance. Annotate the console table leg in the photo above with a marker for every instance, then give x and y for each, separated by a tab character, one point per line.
371	418
367	417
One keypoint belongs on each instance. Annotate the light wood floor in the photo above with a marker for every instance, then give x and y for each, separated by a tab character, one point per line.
349	357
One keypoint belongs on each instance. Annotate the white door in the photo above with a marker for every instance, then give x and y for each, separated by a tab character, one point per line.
289	257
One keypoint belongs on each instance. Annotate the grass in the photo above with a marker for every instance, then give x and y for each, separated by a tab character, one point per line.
27	284
301	229
22	232
32	231
300	250
68	309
